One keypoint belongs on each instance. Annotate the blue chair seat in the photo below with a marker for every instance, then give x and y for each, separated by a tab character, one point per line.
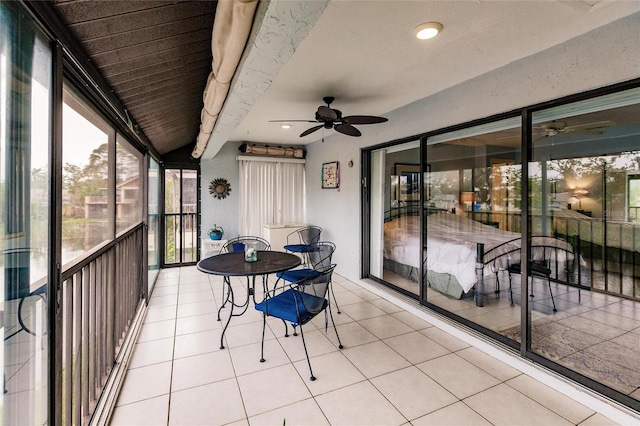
283	305
300	248
298	305
295	275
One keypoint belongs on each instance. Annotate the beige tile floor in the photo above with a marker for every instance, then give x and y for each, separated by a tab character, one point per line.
395	368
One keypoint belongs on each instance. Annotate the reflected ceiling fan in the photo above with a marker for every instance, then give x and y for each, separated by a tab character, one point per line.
332	119
556	127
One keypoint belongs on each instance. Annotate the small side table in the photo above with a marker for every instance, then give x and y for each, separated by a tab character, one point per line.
211	247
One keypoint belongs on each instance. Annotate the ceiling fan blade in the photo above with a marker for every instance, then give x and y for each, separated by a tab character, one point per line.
293	121
594	125
363	119
347	129
311	130
326	113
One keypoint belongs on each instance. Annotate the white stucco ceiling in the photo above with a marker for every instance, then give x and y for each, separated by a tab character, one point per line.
365	54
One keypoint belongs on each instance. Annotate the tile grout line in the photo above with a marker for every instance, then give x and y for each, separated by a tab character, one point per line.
173	350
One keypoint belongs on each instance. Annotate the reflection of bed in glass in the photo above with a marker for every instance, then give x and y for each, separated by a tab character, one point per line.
452	250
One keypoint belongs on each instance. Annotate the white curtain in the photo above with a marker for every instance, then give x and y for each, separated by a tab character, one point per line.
270	192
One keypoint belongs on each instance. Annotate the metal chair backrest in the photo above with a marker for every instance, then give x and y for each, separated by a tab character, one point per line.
317	286
310	235
240	243
320	256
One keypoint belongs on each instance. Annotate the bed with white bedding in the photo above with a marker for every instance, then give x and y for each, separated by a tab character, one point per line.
451	252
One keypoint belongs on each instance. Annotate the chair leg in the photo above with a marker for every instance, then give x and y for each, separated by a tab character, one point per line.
511	290
497	291
304	344
532	283
335	329
333	293
551	293
286	329
264	326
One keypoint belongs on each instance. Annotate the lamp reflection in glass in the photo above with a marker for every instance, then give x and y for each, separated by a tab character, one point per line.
579	194
467	199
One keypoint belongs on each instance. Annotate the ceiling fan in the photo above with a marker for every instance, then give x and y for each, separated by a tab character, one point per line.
332	118
556	127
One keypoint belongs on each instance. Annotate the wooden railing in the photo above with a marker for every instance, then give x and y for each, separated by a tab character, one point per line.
100	298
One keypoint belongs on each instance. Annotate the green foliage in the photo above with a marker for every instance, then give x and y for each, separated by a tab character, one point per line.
91	179
215	228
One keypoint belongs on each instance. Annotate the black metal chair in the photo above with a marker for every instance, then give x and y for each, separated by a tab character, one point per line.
319	259
537	269
307	236
301	239
298	305
239	244
551	256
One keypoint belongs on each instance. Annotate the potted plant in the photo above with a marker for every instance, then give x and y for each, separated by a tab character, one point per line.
216	232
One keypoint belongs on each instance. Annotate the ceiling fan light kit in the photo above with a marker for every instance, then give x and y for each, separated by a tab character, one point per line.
427	30
330	118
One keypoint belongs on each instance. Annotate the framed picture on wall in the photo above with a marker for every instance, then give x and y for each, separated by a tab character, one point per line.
408	182
331	175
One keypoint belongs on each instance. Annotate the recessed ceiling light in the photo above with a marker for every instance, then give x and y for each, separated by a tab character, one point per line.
286	126
427	30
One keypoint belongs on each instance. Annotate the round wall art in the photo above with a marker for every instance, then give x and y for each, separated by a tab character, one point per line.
220	188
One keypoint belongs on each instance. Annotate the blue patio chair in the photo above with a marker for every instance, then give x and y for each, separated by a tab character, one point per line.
299	241
319	259
307	235
298	305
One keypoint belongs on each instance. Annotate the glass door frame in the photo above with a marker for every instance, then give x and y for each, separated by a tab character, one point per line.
163	214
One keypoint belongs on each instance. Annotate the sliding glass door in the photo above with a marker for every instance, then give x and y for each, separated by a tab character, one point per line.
583	179
153	222
472	216
25	100
543	256
394	216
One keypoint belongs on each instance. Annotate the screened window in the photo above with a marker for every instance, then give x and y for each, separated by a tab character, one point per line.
86	197
128	185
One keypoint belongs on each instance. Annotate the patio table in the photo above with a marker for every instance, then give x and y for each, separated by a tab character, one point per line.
234	265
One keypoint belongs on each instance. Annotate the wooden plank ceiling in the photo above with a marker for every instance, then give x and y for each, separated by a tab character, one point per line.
155	55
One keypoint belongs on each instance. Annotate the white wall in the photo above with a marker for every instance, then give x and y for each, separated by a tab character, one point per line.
602	57
222	212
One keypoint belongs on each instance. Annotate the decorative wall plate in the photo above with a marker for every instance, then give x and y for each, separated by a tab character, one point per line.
220	188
